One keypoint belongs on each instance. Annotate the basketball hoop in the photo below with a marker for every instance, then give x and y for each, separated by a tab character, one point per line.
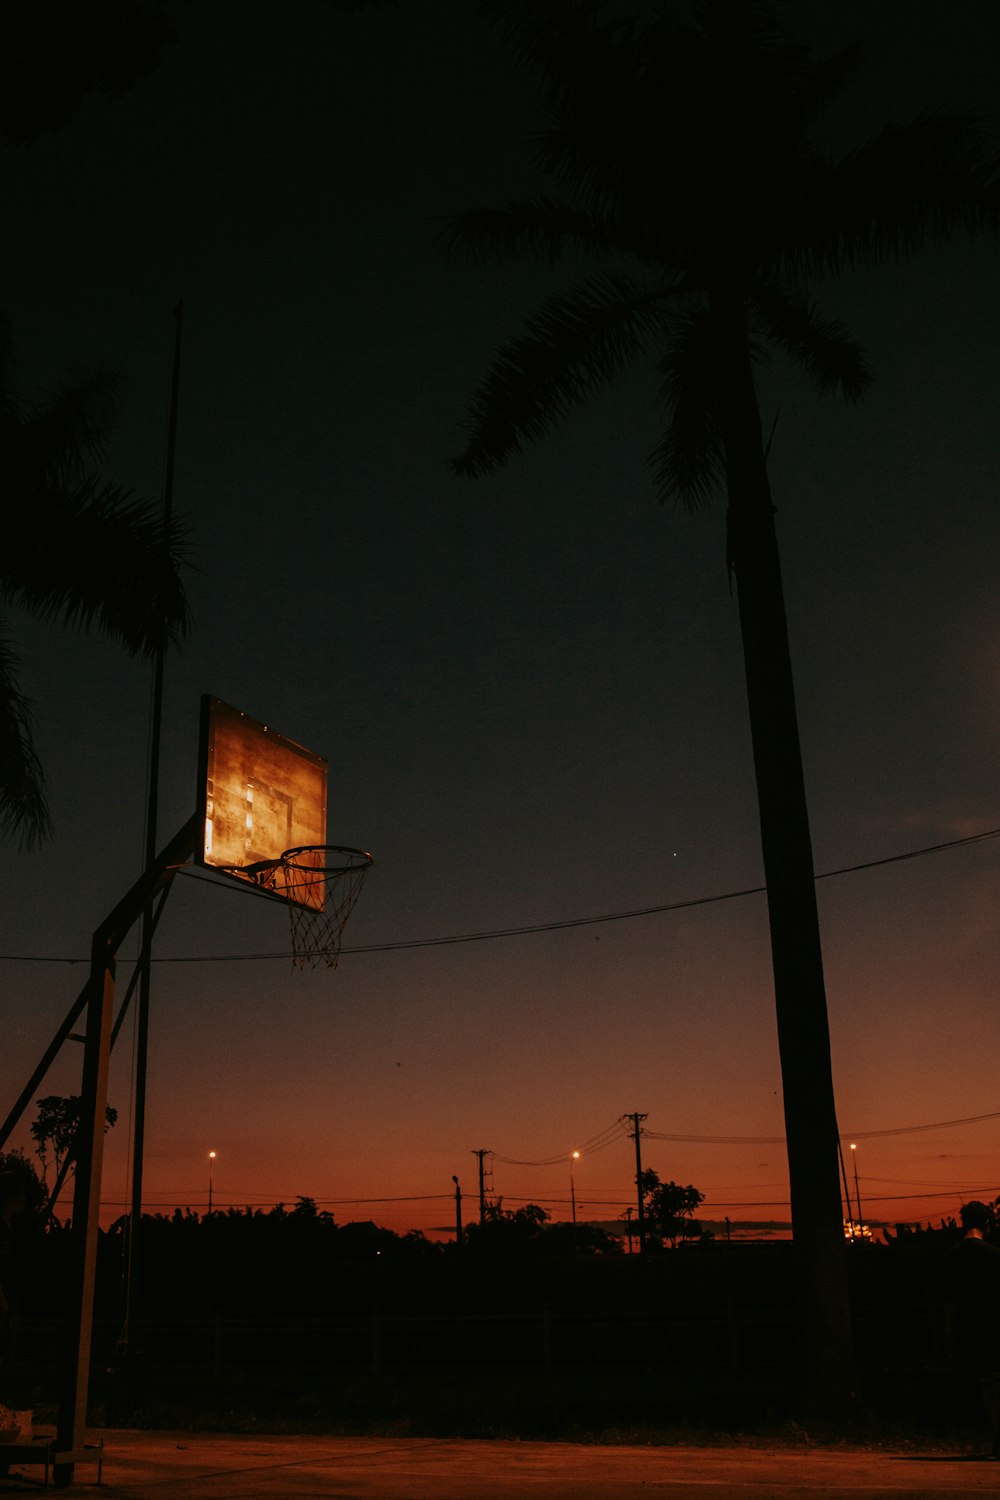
320	883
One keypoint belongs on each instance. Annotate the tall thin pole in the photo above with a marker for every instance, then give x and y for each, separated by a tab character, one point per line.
152	812
857	1190
458	1211
847	1191
482	1182
635	1134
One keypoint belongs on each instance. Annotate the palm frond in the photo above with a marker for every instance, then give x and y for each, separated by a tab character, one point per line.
574	346
822	347
532	227
913	184
607	158
54	56
544	228
24	813
590	61
755	76
94	558
688	461
6	361
827	79
693	131
611	112
566	43
764	20
69	431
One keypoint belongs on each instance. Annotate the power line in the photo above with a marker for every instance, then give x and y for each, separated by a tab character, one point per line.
870	1135
605	1137
877	1198
616	1131
243	1203
938	1182
854	1135
719	1140
492	934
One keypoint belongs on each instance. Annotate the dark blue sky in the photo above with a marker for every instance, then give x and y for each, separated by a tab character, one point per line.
528	687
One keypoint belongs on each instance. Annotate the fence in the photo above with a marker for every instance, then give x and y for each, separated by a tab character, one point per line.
700	1343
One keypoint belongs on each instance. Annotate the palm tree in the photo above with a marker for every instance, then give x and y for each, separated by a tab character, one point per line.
75	548
687	161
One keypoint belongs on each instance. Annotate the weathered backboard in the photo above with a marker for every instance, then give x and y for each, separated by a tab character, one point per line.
260	793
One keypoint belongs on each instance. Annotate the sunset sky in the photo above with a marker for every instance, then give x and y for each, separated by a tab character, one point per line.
529	687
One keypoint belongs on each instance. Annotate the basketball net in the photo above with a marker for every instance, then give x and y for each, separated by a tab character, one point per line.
321	886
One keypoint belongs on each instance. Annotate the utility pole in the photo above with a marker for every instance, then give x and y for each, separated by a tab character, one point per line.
857	1193
482	1181
634	1134
849	1220
458	1212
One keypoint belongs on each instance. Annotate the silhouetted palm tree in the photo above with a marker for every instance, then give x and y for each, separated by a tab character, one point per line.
688	162
57	53
75	548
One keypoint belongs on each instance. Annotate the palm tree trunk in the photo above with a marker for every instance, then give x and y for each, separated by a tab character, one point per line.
796	953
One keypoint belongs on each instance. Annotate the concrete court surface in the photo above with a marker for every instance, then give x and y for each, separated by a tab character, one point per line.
209	1466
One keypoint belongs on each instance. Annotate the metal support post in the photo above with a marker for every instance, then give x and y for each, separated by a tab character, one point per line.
72	1419
72	1422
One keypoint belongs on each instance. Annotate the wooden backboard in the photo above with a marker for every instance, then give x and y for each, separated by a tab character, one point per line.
260	792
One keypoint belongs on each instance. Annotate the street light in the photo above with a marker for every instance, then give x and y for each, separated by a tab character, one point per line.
857	1191
572	1187
211	1164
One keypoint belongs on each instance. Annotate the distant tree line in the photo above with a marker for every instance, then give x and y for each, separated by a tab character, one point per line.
296	1259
